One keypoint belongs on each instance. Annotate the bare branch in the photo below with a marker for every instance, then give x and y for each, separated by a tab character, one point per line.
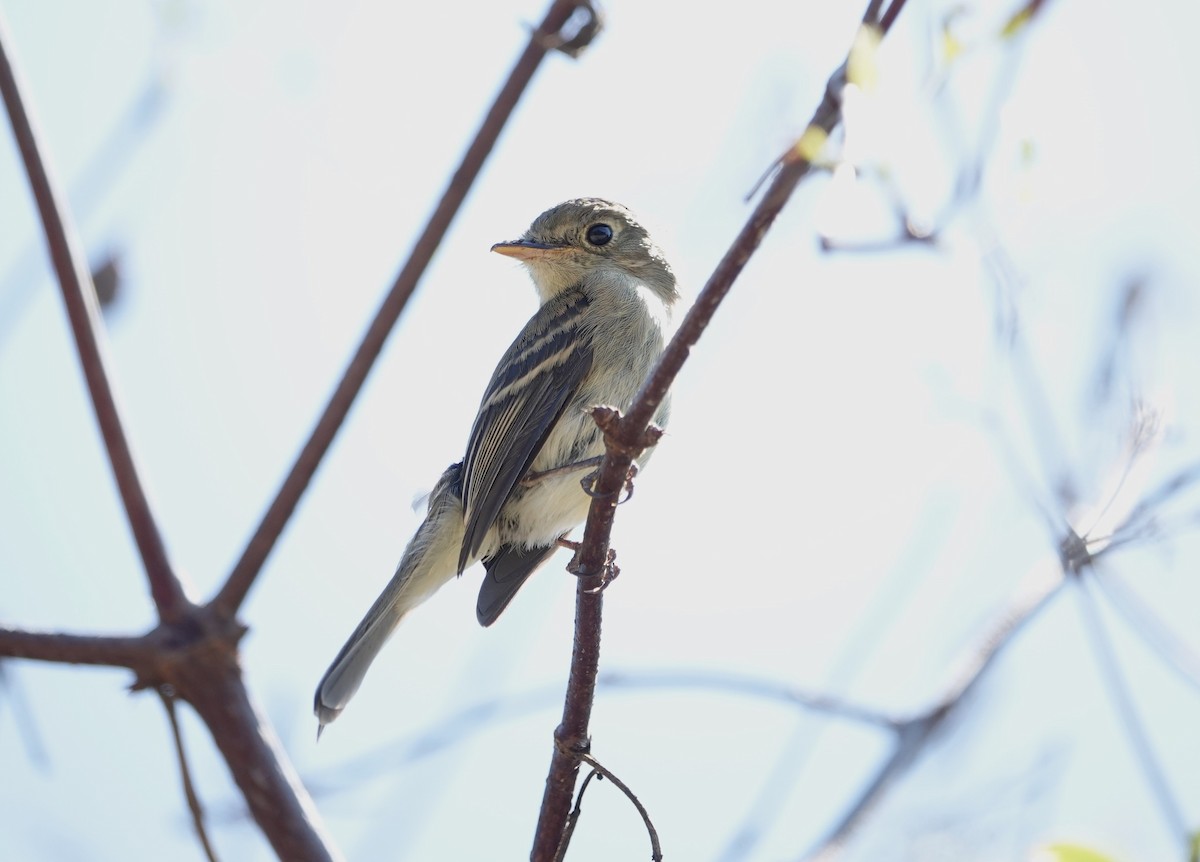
185	773
655	847
273	792
241	579
138	653
626	438
750	686
573	819
916	733
83	311
571	736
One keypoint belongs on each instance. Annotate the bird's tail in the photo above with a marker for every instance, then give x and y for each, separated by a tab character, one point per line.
430	560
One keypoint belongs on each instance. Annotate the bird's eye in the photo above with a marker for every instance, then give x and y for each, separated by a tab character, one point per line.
599	234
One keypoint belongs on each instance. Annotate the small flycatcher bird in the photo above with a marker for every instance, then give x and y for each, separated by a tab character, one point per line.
606	296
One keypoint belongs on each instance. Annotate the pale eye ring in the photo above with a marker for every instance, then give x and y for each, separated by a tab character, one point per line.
599	234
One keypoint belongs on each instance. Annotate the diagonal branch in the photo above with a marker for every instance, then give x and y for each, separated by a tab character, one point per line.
625	438
79	296
546	37
914	735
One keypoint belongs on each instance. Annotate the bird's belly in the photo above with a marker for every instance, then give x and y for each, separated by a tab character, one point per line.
535	516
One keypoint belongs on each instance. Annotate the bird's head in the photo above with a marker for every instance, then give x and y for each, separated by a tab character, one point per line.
586	236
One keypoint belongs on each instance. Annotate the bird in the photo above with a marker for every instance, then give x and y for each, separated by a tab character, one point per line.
606	295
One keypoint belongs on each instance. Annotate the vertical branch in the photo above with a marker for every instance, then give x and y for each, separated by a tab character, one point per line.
545	38
627	437
83	311
571	739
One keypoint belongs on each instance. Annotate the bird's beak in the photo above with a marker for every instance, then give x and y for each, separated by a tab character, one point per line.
523	249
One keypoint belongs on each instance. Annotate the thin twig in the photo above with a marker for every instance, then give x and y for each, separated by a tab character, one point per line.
23	718
241	579
83	311
573	819
655	846
767	689
185	773
457	727
625	438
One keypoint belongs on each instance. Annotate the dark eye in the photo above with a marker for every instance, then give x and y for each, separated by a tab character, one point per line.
599	234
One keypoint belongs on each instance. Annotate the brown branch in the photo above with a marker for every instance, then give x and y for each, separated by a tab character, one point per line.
655	847
545	38
573	819
626	438
571	736
273	792
185	773
138	653
83	312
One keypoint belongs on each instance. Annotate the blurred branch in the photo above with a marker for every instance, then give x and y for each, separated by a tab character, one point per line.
1151	628
765	689
914	734
83	311
626	438
105	166
1118	690
27	727
548	36
137	653
185	773
456	727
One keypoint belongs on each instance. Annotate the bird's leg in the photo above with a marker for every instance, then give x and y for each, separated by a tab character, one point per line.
609	574
532	479
588	483
611	569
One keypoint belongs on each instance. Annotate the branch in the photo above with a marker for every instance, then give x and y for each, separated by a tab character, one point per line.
914	735
545	38
139	653
83	312
273	792
625	439
656	854
185	774
749	686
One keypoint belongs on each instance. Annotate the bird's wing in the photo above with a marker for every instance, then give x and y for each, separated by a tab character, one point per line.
534	381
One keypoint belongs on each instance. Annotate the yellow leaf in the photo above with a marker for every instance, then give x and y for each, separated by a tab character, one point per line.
810	144
861	67
1069	853
1017	22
